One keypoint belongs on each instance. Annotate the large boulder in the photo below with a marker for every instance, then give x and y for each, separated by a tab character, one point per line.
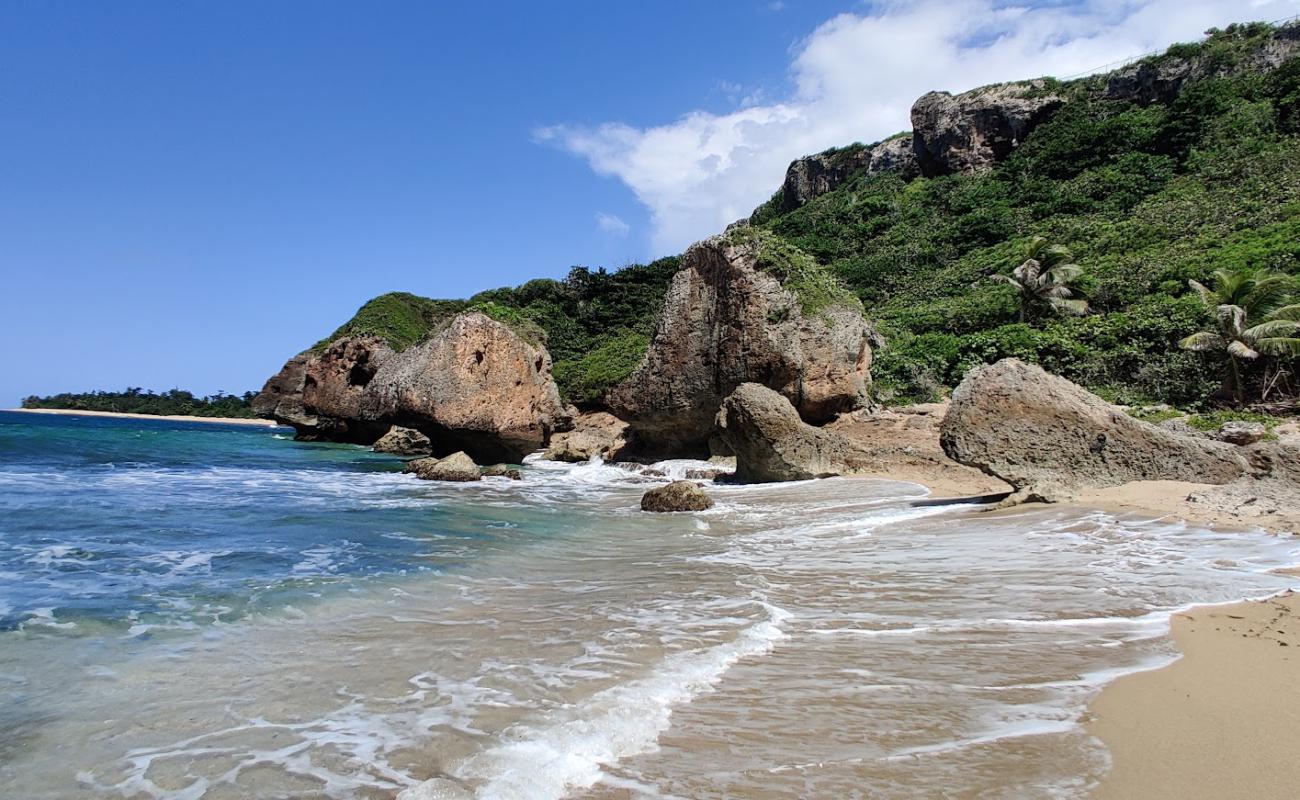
476	386
676	496
456	467
728	319
1049	438
973	131
772	443
813	176
596	433
403	442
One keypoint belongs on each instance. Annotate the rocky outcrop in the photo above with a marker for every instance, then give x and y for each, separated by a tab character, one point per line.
502	471
813	176
596	433
335	386
727	321
475	385
457	467
772	443
1162	78
403	442
281	397
973	131
676	496
1049	438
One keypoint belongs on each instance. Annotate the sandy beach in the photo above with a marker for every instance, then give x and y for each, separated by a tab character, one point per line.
174	417
1220	721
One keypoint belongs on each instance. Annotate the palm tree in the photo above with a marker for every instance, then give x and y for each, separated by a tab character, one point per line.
1043	280
1235	296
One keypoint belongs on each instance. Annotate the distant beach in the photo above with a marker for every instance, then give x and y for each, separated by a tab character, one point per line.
174	417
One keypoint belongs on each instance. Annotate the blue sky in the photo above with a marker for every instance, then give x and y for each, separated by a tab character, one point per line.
191	192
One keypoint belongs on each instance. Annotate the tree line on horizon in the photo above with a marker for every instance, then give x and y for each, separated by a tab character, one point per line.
134	400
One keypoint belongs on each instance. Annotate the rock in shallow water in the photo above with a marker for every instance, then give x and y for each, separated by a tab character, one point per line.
456	467
772	444
403	442
676	496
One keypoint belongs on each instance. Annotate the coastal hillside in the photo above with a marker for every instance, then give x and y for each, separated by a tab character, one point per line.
1161	172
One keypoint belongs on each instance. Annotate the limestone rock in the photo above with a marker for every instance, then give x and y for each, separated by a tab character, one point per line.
726	322
598	433
772	443
676	496
476	386
1162	78
281	397
973	131
403	442
1049	438
456	467
813	176
1240	433
502	471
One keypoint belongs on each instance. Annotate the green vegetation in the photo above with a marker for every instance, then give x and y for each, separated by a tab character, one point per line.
399	318
137	401
814	287
1042	281
595	323
1236	296
1144	197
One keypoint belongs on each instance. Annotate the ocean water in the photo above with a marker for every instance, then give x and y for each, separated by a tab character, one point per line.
206	611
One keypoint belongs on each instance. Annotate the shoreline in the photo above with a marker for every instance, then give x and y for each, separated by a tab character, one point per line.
67	412
1217	722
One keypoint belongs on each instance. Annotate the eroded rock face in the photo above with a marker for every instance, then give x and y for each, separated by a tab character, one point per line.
596	433
726	322
1161	79
335	387
281	397
772	443
475	386
813	176
973	131
403	442
457	467
676	496
1049	438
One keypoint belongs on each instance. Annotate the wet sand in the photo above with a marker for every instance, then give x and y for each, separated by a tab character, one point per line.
1219	722
122	415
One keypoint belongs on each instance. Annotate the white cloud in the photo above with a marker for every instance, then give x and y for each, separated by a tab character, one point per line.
855	78
611	224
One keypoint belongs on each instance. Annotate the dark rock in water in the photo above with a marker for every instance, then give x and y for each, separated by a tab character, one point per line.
727	321
973	131
403	442
502	471
676	496
456	467
1048	437
772	444
597	433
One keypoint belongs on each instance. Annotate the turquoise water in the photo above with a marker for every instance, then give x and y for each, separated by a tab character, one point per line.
124	522
201	612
